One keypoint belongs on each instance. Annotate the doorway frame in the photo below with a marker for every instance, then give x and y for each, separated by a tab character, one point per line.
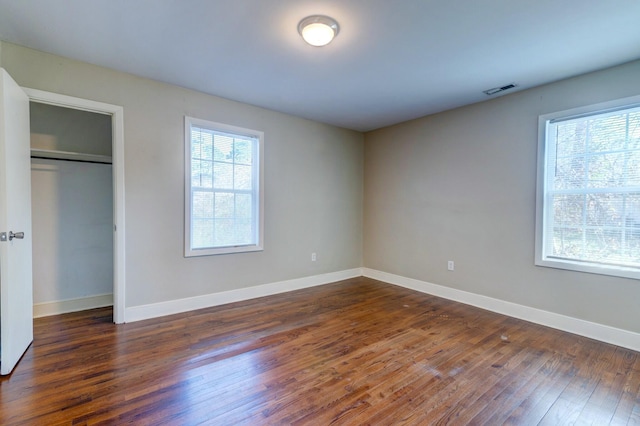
117	145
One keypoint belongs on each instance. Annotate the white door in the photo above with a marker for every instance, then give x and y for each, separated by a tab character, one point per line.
16	286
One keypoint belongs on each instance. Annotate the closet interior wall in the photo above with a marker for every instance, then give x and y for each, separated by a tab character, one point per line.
72	203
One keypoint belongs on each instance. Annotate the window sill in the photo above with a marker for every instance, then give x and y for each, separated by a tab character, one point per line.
222	250
590	268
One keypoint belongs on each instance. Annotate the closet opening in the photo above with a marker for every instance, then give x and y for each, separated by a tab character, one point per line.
72	192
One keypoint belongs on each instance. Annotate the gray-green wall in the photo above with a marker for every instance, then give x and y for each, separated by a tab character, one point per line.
313	182
461	185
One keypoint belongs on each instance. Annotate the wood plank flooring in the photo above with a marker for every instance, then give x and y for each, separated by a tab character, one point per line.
357	352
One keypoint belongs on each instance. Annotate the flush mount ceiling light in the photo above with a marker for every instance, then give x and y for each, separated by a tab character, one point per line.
318	30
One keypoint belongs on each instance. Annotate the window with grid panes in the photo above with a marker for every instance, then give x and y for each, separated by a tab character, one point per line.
588	216
223	188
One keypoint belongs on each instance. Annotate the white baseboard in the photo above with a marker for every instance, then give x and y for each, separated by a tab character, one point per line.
604	333
142	312
56	307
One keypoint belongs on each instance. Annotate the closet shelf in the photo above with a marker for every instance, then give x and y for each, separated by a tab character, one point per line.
70	156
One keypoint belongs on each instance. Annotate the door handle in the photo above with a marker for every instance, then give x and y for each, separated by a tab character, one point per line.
18	235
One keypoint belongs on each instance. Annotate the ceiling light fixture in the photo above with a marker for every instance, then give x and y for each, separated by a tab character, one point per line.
318	30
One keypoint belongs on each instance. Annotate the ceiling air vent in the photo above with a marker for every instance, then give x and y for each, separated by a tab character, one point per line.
499	89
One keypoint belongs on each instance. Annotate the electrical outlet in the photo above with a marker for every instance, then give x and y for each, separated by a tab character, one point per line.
313	257
450	265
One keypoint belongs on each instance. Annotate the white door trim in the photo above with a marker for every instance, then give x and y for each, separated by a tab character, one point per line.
117	113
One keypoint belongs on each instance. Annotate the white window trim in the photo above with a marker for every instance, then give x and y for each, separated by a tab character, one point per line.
188	251
543	121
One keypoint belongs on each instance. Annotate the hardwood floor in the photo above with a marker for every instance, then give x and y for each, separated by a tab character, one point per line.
355	352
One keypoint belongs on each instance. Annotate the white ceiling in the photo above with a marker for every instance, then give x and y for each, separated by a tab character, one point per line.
392	60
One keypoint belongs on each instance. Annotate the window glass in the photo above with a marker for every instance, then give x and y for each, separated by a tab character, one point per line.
588	191
223	198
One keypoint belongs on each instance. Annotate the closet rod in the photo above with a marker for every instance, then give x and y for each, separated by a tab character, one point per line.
70	156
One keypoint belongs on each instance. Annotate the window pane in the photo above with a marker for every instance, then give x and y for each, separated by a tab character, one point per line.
207	146
567	242
603	245
570	138
568	210
206	174
222	175
607	170
243	206
223	149
224	231
196	147
608	134
632	246
632	229
224	205
196	170
244	231
202	204
202	233
569	173
242	177
201	141
242	151
633	169
632	214
634	130
605	210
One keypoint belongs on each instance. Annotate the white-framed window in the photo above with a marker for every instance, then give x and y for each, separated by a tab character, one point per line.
588	195
223	188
